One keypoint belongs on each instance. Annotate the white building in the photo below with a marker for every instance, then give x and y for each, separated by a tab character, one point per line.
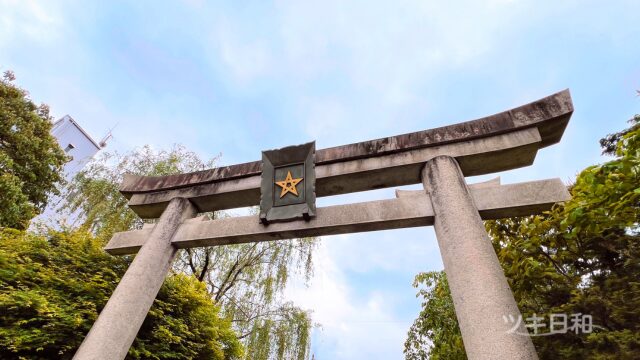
77	144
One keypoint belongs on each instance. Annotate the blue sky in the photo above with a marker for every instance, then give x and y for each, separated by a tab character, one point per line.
240	77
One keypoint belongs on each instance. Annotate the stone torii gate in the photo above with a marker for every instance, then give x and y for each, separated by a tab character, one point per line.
438	158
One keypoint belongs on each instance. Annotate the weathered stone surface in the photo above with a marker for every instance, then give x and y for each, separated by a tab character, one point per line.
348	168
479	289
495	182
478	156
117	326
550	115
492	199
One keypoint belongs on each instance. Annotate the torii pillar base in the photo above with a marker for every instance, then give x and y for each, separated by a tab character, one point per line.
113	333
481	294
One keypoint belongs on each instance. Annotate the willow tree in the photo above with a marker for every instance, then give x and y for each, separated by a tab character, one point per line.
579	258
246	280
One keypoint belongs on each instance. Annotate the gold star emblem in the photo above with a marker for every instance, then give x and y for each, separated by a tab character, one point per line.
288	185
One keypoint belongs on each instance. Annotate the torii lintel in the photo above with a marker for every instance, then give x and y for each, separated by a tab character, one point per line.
499	142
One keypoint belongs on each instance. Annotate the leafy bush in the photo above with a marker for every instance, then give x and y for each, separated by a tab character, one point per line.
53	287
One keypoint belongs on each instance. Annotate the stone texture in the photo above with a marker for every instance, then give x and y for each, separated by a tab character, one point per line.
493	183
481	294
478	156
412	208
117	326
549	115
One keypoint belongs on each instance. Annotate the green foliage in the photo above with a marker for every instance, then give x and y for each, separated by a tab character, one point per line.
245	280
53	287
436	323
31	160
168	334
580	257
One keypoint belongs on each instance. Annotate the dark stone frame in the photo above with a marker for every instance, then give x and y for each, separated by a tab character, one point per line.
288	156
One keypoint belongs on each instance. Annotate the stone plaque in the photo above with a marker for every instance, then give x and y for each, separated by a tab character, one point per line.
287	190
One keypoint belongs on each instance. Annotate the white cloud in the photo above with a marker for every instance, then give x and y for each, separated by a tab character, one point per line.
246	56
386	54
386	50
396	251
28	20
325	116
389	46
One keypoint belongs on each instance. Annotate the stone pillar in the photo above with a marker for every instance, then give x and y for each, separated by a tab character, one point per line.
481	294
117	326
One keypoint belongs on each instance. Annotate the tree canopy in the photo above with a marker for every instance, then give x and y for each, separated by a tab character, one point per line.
579	258
31	160
434	334
53	286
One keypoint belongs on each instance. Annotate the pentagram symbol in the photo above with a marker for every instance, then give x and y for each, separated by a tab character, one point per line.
288	185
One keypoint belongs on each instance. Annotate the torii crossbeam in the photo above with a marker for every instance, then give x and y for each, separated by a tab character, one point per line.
438	158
